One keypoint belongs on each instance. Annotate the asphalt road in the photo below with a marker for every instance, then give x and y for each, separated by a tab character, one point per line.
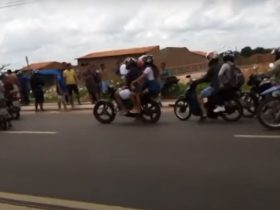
170	166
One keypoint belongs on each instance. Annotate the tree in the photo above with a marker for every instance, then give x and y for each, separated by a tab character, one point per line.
261	50
3	67
247	51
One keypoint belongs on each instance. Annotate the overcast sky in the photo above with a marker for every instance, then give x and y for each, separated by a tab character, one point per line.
62	30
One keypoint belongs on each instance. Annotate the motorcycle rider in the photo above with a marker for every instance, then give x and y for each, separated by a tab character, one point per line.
211	76
274	73
129	73
3	108
225	79
147	82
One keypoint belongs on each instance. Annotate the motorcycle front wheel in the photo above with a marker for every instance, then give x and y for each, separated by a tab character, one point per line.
104	112
182	109
268	113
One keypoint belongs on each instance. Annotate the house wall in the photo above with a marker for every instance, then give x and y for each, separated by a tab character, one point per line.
111	62
182	61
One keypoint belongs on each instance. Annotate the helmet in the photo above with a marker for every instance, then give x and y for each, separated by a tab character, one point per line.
130	62
212	56
146	59
276	52
228	56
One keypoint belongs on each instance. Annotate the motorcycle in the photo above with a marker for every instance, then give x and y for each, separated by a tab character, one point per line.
105	111
268	112
251	100
187	105
5	118
14	107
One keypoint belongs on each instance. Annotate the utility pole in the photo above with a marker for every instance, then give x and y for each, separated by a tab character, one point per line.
27	62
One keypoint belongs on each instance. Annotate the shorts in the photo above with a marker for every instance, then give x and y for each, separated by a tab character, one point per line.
207	92
71	89
104	86
125	94
39	96
153	87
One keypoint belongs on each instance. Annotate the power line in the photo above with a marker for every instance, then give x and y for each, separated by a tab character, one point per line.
16	3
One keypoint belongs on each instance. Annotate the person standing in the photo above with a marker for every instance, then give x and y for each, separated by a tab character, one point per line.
24	88
12	78
92	82
165	73
61	91
104	78
71	81
37	83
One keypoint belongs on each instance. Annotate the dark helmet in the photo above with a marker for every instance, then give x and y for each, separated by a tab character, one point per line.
130	62
228	56
276	52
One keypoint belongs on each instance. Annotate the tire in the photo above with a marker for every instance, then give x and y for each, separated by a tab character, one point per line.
233	106
17	115
271	107
182	109
104	109
250	105
151	112
4	124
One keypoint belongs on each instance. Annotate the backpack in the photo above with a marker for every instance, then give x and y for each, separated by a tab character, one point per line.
237	77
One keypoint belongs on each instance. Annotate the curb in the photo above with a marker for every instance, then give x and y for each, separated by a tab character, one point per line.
57	110
24	202
76	109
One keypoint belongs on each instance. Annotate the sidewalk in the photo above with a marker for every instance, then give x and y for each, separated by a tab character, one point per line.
10	201
83	107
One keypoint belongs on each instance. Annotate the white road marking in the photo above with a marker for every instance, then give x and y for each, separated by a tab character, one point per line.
47	203
32	132
257	136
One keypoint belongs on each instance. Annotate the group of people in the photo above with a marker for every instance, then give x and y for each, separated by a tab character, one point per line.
140	76
222	78
9	85
66	87
97	79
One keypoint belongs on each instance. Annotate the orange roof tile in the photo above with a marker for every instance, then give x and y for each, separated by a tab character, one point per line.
202	53
132	51
44	65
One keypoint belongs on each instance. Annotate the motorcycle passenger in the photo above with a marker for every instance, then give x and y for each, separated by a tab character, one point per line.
274	73
130	74
3	99
225	80
212	77
148	80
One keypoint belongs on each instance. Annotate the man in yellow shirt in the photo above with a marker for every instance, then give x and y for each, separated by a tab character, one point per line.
71	81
